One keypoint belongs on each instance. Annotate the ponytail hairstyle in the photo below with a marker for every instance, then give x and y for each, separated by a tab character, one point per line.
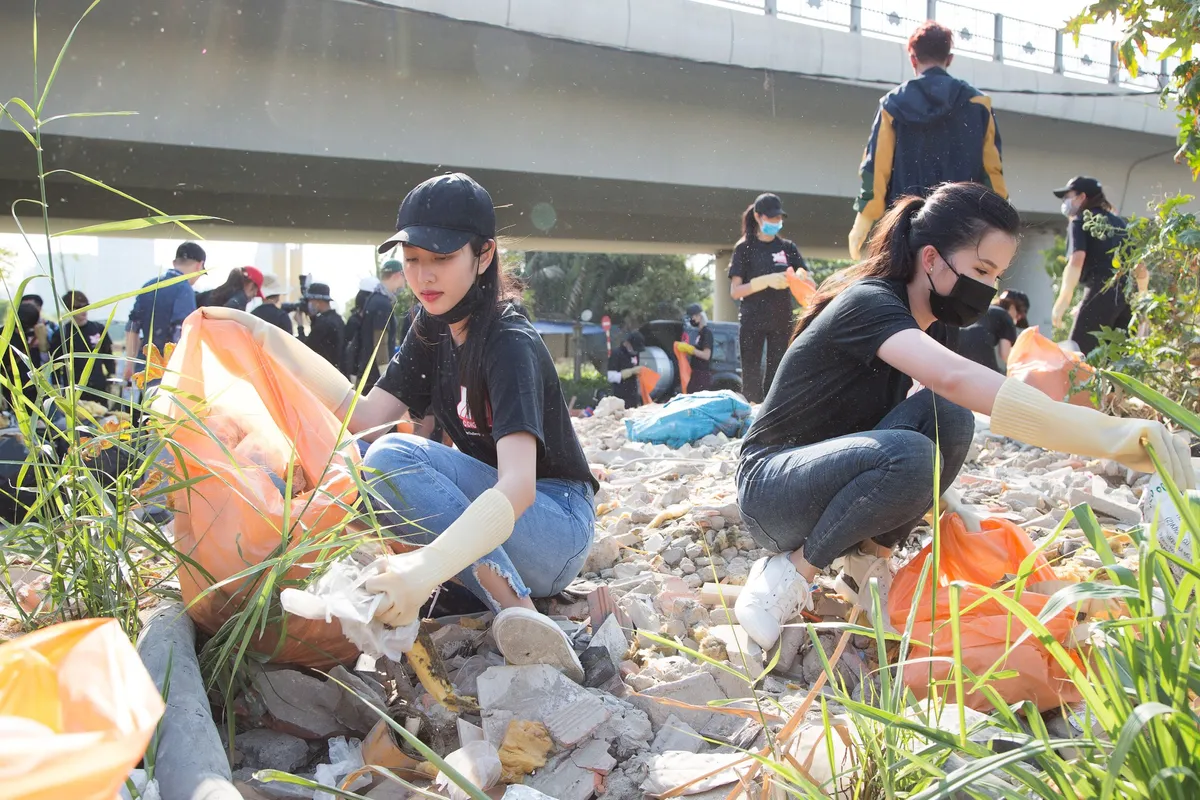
234	285
1091	202
954	216
497	292
749	225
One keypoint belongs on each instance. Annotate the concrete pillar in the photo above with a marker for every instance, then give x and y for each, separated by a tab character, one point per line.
724	307
1028	274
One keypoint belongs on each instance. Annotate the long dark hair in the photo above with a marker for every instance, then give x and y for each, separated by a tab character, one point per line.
749	225
235	284
1093	201
1011	298
954	216
498	290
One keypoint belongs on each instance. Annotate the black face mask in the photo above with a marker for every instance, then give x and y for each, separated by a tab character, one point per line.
966	303
464	308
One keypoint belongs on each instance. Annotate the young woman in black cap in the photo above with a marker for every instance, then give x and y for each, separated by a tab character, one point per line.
1090	256
508	512
758	277
839	462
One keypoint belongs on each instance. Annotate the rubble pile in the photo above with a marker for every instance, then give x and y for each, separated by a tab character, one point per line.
670	554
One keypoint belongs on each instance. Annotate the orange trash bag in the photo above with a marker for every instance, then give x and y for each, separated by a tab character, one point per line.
987	630
232	518
77	710
802	286
647	380
1042	364
685	369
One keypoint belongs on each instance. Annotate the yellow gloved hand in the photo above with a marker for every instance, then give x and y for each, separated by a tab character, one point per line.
858	236
406	580
629	372
685	348
763	282
1025	414
321	377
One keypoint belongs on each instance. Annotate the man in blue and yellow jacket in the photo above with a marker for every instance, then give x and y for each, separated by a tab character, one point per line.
929	130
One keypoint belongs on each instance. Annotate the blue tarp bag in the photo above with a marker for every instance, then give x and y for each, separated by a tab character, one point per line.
689	418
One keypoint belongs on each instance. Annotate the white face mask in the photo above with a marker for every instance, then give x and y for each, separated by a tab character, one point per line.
1068	208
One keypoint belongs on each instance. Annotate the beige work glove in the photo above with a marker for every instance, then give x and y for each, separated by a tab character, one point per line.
321	377
773	280
952	501
629	372
858	236
1027	415
406	580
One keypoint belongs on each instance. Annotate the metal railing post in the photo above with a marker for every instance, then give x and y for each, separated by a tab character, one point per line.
772	8
855	16
1058	52
1114	64
930	9
998	39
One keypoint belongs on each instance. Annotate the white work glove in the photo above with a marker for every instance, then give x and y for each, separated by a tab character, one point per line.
406	580
1027	415
858	236
952	501
321	377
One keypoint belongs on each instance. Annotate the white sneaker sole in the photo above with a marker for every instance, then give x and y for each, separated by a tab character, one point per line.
527	637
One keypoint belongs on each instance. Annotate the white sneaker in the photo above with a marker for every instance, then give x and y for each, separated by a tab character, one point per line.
527	637
854	581
772	594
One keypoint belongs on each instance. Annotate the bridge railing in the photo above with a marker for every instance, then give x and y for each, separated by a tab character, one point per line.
978	33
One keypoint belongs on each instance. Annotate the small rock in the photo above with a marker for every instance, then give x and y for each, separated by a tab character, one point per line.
298	704
676	734
687	567
604	553
696	690
672	557
267	749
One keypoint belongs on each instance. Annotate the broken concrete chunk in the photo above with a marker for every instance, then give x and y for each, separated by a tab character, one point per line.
354	706
594	756
695	690
604	553
298	704
564	780
267	749
1106	505
676	734
574	722
612	638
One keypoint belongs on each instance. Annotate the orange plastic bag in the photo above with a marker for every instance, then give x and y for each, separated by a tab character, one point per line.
685	369
802	286
987	630
647	379
1039	362
77	710
233	517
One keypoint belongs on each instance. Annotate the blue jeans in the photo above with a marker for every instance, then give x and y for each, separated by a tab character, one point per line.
829	496
420	486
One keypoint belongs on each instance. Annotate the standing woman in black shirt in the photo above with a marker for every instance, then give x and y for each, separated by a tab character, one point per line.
1090	256
758	277
839	462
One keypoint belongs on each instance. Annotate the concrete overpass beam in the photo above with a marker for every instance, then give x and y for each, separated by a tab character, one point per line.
724	307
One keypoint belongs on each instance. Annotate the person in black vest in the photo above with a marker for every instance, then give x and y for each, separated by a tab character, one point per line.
624	367
1090	256
273	293
758	277
327	335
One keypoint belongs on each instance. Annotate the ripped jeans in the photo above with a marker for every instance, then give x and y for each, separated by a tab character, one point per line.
419	487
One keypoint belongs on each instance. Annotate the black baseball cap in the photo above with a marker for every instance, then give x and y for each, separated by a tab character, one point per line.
694	309
769	205
443	214
1082	184
637	341
190	251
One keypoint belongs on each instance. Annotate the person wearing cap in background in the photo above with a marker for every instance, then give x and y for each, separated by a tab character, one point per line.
758	277
930	130
76	344
624	368
378	332
242	286
989	340
328	332
509	511
354	320
700	353
43	331
1090	257
273	292
157	316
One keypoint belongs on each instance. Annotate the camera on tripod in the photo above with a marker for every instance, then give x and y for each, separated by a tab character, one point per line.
302	306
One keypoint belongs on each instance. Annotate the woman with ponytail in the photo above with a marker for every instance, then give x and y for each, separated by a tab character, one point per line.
839	463
758	277
508	511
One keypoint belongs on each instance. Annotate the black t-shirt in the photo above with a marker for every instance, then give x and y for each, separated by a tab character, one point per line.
524	394
274	315
326	337
754	257
378	316
628	389
704	341
978	342
1098	253
82	341
831	382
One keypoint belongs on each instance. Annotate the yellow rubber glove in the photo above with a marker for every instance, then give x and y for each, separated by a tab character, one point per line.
685	348
1025	414
408	579
858	236
321	377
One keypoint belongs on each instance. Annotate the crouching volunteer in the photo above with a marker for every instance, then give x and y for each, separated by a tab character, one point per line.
839	463
509	513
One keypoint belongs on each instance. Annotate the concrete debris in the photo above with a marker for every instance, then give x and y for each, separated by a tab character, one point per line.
299	704
676	734
267	749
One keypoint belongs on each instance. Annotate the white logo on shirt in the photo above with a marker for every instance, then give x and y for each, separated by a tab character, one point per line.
464	412
780	258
